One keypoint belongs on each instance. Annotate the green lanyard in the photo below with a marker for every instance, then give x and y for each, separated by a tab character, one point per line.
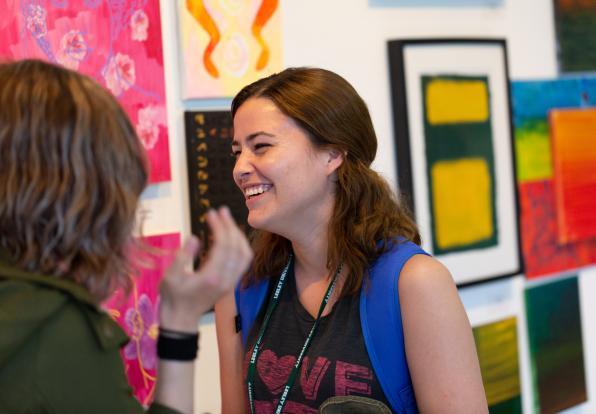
255	352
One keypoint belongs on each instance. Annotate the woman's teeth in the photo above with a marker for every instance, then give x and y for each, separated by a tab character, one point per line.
256	190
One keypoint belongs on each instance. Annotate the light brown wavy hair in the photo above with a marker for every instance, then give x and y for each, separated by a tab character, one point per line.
71	173
367	218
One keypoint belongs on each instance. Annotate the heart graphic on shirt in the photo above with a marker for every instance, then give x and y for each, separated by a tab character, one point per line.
274	371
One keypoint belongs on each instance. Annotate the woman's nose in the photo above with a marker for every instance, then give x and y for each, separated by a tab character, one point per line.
242	168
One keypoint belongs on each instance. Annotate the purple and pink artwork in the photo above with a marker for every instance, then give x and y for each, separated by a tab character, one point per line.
137	314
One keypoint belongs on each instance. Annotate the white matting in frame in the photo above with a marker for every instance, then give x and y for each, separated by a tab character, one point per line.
410	60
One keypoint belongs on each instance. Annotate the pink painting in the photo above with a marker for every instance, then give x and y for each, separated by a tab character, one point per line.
117	42
137	314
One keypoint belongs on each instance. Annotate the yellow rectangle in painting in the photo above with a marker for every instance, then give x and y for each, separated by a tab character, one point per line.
461	196
452	101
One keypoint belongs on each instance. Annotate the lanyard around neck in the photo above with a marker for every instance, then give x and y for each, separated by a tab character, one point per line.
255	352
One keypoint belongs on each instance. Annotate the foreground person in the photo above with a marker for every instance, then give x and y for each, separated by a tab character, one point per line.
71	173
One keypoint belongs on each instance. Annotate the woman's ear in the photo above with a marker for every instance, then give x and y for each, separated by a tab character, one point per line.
335	158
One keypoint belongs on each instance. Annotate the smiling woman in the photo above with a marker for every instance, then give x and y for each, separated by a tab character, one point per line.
333	248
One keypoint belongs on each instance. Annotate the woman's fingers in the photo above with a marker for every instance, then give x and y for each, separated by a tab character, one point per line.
230	253
185	256
235	256
187	294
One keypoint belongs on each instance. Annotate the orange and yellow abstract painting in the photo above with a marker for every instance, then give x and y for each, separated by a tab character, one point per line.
227	44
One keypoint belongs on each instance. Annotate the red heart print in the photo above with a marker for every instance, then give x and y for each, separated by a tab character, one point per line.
274	371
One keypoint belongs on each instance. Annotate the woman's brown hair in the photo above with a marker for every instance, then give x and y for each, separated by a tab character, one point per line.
71	173
367	218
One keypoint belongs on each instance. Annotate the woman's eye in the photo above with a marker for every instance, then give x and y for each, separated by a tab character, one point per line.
235	153
260	146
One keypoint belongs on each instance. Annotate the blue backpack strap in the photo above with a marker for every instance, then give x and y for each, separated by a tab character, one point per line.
248	303
380	317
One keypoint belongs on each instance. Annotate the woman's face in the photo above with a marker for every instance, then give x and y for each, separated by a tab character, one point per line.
284	178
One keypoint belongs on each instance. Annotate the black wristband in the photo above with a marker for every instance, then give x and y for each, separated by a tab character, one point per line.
177	346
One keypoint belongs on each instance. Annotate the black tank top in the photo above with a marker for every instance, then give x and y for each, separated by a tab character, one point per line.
336	364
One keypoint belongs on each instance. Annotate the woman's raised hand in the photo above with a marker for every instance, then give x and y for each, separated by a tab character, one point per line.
187	294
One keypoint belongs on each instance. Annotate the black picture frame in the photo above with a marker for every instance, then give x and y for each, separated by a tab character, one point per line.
413	62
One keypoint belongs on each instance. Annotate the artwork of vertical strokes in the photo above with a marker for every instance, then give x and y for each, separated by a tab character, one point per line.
117	42
460	163
228	44
574	153
575	22
137	314
556	348
532	102
210	166
496	344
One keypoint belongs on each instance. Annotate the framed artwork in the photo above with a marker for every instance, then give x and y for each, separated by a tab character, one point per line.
118	43
137	314
227	45
545	252
454	148
210	166
575	22
495	311
556	345
496	344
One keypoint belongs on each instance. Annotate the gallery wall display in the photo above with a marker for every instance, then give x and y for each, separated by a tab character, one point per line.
118	43
227	44
210	165
556	346
546	245
575	22
454	147
137	313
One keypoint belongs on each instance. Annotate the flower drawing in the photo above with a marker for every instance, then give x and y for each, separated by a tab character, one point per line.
147	127
119	73
73	49
139	23
142	326
36	21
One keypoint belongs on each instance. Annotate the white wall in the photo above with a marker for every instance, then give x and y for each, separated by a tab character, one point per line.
349	37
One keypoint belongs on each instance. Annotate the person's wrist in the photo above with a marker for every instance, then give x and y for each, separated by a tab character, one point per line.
178	320
177	346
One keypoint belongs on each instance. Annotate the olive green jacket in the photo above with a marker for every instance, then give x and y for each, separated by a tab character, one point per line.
59	352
